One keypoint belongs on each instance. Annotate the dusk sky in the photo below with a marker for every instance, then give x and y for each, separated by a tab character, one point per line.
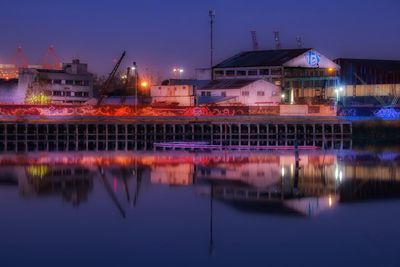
162	34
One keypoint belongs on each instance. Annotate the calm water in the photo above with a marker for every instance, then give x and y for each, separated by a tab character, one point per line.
329	208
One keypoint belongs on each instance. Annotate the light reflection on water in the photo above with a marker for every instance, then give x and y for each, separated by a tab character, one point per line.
210	192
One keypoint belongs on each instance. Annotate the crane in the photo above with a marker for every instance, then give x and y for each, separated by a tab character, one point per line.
111	76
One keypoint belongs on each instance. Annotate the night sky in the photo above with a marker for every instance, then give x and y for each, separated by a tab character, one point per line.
161	34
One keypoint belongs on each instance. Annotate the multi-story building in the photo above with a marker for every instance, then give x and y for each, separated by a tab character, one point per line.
303	74
72	84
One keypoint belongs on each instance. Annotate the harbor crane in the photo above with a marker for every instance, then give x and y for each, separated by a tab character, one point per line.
110	78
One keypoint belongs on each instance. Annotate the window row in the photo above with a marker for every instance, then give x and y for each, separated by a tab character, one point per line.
68	93
250	72
68	82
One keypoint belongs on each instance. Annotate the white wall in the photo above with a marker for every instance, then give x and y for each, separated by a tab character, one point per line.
168	94
272	93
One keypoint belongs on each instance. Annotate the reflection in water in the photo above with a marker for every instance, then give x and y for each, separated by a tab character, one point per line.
279	183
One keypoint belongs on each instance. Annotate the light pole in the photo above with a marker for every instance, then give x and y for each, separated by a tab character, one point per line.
178	72
134	68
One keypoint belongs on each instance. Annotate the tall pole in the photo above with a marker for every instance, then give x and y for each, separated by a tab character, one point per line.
136	86
211	14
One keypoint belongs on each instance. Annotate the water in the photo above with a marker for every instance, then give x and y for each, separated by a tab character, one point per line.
330	208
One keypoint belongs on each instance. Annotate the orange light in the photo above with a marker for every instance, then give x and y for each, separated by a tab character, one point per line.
331	69
144	84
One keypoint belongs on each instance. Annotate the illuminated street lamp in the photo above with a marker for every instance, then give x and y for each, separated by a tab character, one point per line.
178	72
144	84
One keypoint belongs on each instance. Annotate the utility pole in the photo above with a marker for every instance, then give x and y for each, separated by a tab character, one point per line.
277	40
136	86
211	14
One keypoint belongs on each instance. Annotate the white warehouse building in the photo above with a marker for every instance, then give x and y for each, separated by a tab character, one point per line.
240	92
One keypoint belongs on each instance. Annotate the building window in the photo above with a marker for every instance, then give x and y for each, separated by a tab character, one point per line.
66	93
276	71
230	73
57	93
260	93
219	73
57	81
78	82
245	93
69	82
85	94
223	94
85	83
203	93
252	72
240	73
208	93
264	72
78	94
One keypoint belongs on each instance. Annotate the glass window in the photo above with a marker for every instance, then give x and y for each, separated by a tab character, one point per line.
276	72
240	73
245	93
230	73
223	94
264	72
260	93
208	93
57	81
252	72
69	82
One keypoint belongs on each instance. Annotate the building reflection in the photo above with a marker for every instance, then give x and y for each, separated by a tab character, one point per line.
247	181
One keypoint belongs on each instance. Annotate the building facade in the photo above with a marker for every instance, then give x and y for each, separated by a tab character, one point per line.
370	81
239	92
173	95
303	74
72	84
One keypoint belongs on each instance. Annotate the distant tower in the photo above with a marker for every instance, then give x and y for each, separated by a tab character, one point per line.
299	42
277	40
211	14
254	40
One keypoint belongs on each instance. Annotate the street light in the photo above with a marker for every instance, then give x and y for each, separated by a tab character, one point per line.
178	72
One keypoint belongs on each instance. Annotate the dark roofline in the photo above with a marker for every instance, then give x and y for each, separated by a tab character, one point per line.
244	53
367	59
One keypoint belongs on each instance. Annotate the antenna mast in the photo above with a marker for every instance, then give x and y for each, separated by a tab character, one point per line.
299	42
254	40
211	14
277	40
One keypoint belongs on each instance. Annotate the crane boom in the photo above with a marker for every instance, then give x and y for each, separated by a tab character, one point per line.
111	76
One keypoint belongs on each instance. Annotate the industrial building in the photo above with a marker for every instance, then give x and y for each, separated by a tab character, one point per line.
304	74
369	81
247	92
72	84
176	95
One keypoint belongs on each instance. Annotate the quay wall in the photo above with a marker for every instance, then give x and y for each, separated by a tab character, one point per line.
91	133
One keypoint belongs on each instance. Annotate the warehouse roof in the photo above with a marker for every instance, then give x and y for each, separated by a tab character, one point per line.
390	65
228	84
262	58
